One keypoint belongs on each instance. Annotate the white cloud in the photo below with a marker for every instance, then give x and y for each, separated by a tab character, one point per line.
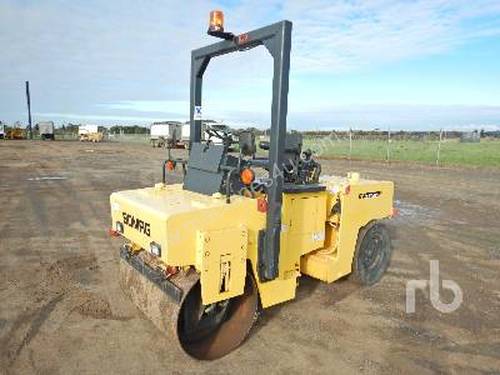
160	106
100	119
336	36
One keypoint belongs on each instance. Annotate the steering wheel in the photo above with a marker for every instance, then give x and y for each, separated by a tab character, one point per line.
215	133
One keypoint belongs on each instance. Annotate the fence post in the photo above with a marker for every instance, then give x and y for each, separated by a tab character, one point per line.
388	153
350	143
439	147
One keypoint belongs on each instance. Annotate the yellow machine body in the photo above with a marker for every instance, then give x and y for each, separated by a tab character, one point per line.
91	137
221	240
16	133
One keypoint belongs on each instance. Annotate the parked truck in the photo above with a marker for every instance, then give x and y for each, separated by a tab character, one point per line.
186	132
46	130
166	134
90	133
2	130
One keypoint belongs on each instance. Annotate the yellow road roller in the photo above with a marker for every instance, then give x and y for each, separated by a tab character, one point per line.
203	258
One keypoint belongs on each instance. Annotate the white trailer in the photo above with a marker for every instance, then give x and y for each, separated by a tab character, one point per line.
186	132
88	129
90	133
166	133
46	130
2	131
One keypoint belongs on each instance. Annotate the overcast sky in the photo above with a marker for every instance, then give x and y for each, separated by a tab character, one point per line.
362	64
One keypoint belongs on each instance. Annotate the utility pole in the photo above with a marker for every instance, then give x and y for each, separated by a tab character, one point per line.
30	131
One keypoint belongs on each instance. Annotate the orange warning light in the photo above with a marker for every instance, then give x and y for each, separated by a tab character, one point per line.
247	176
216	21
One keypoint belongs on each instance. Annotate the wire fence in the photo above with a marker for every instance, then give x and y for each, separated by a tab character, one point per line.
129	138
438	148
123	138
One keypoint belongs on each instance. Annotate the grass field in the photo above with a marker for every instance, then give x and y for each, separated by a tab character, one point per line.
485	153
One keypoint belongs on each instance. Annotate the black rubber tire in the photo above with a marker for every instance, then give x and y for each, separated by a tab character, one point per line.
373	253
241	314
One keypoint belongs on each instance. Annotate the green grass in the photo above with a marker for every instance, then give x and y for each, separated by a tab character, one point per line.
486	153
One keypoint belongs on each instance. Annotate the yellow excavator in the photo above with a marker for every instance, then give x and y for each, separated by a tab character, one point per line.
16	132
203	258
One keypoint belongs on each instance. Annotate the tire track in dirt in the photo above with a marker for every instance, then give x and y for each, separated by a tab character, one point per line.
57	289
6	224
34	320
57	281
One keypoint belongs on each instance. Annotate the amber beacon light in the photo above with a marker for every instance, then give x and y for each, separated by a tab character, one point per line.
216	25
216	21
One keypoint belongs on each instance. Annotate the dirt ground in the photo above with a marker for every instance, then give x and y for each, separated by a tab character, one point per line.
62	311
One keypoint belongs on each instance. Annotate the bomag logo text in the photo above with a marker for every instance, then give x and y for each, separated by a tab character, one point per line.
369	194
136	223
